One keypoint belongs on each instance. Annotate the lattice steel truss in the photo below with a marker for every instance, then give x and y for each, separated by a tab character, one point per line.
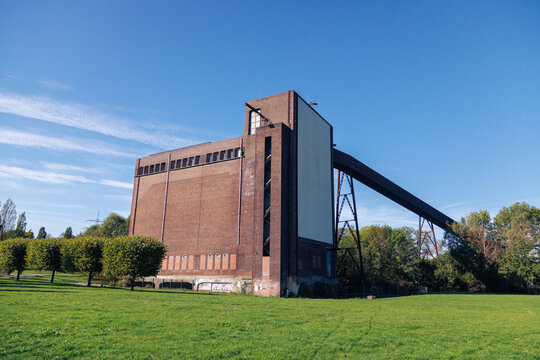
427	243
344	224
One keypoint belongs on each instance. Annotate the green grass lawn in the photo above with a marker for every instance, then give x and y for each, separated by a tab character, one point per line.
40	320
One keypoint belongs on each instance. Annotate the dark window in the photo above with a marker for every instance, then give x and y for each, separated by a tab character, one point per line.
162	166
197	160
173	163
208	158
140	170
184	162
237	152
157	167
267	193
215	156
151	169
191	161
146	169
222	155
230	153
178	163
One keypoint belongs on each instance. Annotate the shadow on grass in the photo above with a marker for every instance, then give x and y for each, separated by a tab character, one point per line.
34	290
34	284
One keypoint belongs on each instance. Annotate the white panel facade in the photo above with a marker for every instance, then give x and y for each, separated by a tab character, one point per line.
315	203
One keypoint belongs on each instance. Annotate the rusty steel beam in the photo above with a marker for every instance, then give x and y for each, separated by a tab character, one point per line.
369	177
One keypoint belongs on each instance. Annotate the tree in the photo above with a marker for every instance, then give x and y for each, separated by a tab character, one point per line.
13	255
45	254
83	254
114	225
478	230
8	214
132	256
42	234
518	230
20	229
68	234
93	230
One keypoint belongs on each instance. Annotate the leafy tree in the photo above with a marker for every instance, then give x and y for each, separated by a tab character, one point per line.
13	255
114	225
20	229
518	228
83	254
8	214
45	254
42	234
389	257
93	230
68	234
132	256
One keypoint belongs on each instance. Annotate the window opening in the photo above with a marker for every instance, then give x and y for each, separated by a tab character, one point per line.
208	158
222	155
173	163
237	152
191	161
230	154
184	162
197	160
267	194
215	156
163	166
254	121
146	170
140	170
151	169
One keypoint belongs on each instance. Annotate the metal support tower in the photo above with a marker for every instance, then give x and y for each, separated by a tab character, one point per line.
427	243
344	224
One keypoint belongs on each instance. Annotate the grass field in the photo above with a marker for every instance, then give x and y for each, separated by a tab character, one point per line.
40	320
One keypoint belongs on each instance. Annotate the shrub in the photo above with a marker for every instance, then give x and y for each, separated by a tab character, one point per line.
323	290
83	254
45	254
304	291
132	256
13	255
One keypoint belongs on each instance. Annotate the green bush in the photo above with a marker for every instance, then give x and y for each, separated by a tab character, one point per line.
324	290
45	254
13	255
83	254
304	291
132	257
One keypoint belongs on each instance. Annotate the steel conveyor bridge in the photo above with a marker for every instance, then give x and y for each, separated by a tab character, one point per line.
361	172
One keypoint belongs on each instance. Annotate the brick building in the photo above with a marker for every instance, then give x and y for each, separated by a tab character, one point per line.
252	213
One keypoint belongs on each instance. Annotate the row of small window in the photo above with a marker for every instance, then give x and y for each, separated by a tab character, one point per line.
199	262
191	161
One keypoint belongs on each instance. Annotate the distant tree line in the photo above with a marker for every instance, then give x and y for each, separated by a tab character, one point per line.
122	257
12	226
500	254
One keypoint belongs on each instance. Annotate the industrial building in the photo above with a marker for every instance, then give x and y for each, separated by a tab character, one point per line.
254	213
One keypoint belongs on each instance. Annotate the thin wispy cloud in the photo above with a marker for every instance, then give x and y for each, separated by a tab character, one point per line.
14	172
120	184
41	176
88	118
68	168
19	138
55	85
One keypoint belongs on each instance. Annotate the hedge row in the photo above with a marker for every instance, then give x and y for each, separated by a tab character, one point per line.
125	256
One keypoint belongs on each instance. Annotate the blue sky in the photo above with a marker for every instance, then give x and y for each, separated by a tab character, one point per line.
441	97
